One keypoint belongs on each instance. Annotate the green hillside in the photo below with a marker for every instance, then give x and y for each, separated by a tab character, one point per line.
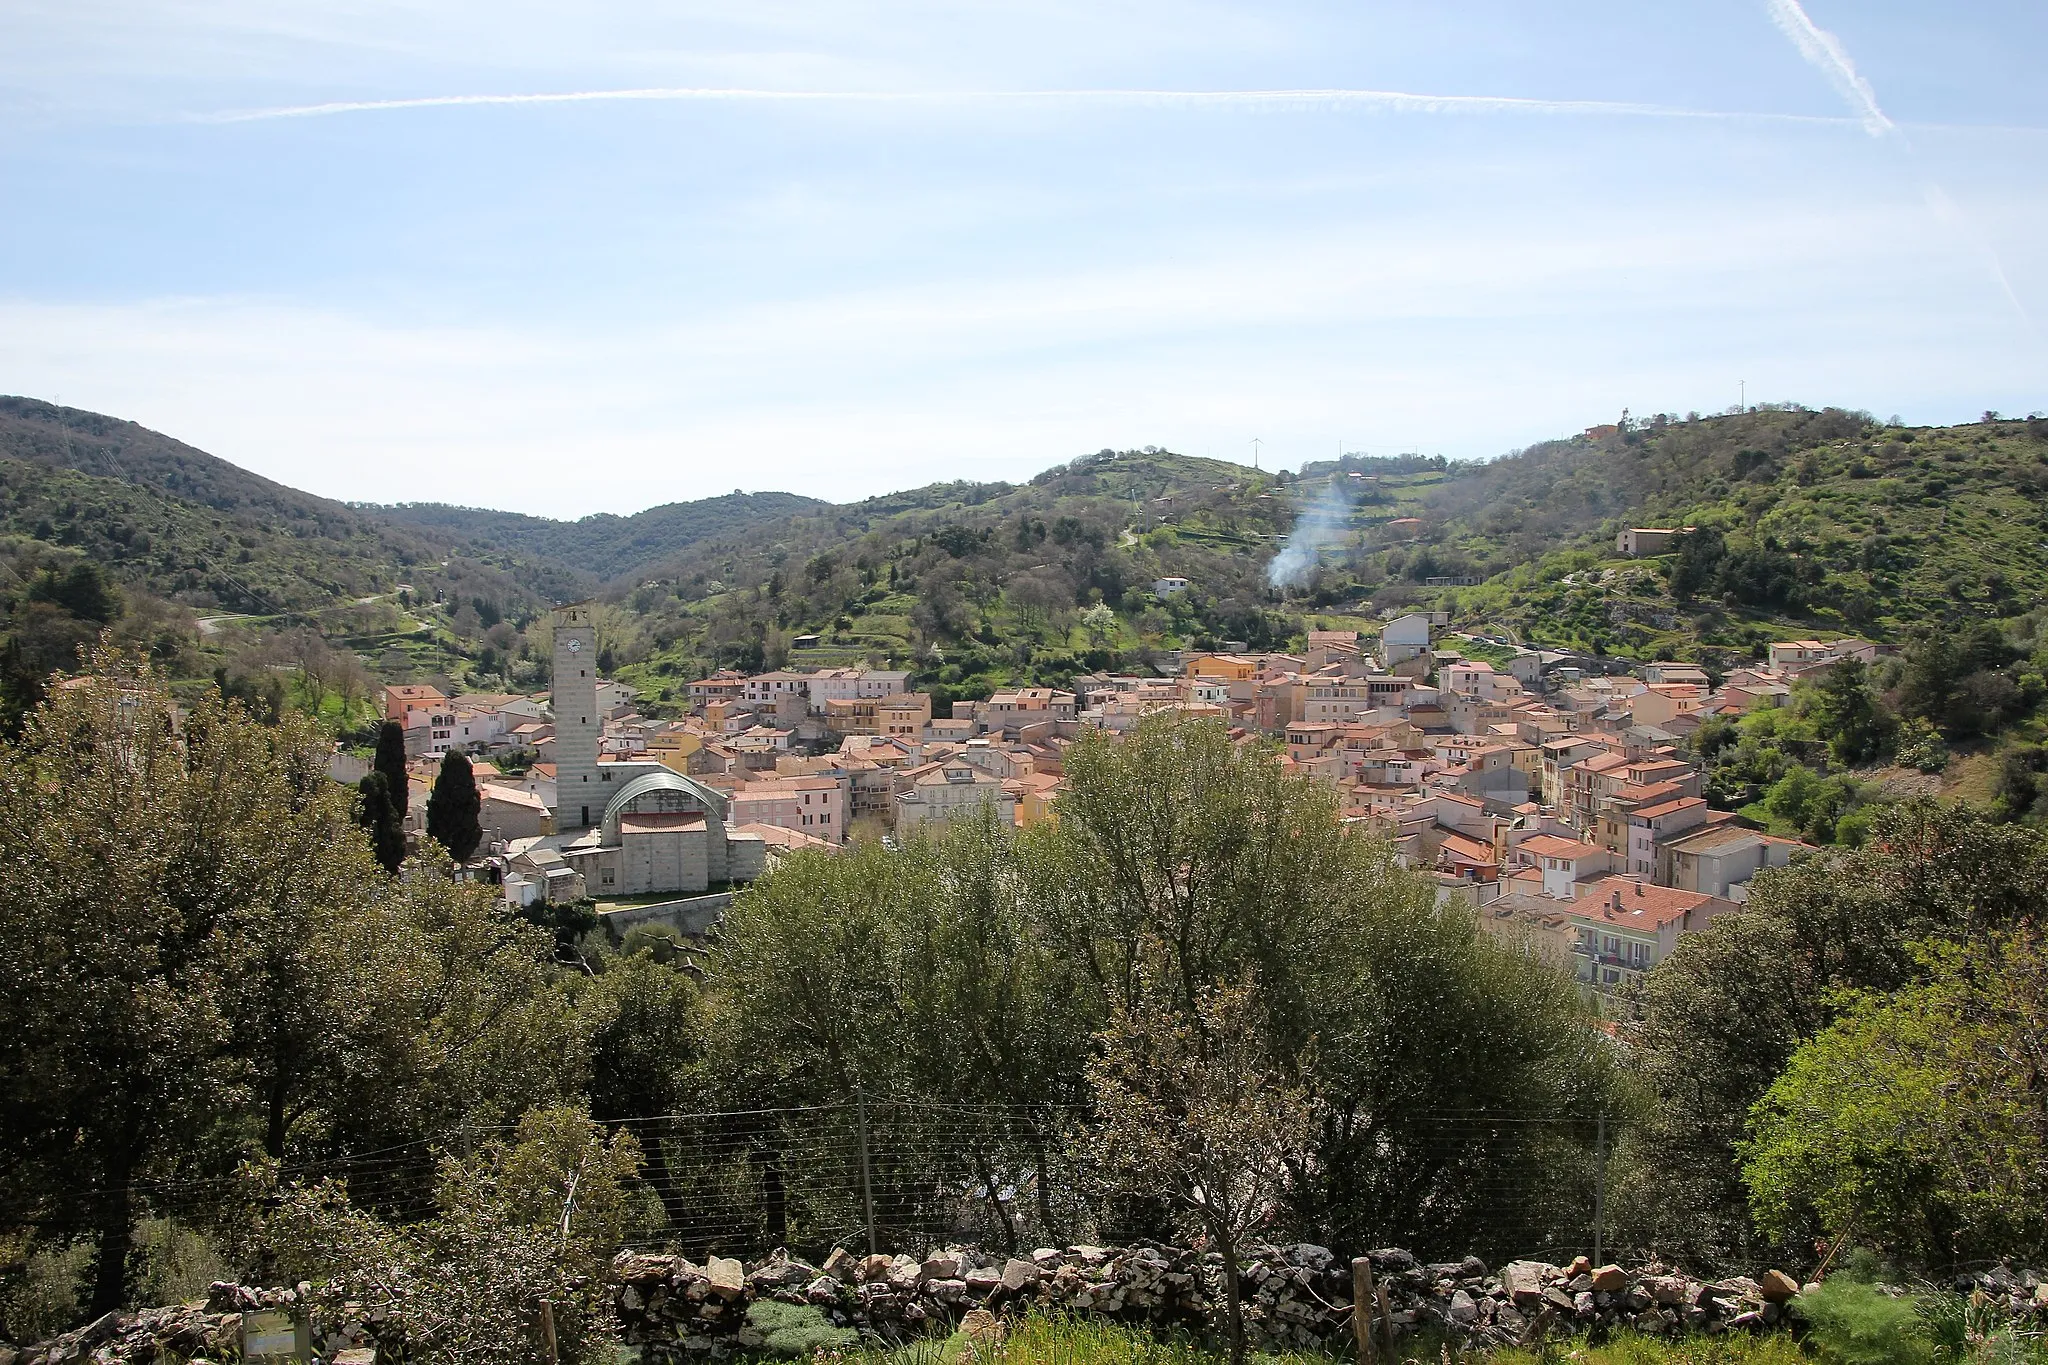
215	570
164	517
605	545
981	585
1808	521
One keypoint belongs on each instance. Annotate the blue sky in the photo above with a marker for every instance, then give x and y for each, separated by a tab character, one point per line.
844	248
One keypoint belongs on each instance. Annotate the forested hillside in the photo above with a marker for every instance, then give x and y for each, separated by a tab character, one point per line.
978	585
605	545
215	570
1807	521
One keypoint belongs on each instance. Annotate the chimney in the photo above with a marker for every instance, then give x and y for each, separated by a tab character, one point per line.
1617	900
1639	888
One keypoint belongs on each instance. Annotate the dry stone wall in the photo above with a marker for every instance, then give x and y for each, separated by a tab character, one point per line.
1296	1297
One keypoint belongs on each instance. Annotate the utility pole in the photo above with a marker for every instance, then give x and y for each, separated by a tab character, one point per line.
1255	452
1742	395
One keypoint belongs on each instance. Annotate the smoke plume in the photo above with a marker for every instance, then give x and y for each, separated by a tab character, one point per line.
1322	525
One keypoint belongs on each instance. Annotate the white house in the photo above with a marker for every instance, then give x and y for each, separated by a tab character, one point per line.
942	790
1403	638
1167	587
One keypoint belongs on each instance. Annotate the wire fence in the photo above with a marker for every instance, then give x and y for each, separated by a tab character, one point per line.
898	1175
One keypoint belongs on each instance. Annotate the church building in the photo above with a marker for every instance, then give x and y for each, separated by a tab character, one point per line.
631	828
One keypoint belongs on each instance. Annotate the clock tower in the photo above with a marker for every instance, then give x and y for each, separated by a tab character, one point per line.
579	731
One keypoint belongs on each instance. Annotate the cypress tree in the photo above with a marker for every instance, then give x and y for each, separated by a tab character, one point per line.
375	813
391	763
455	808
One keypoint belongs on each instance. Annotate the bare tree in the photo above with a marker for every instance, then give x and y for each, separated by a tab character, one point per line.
1193	1111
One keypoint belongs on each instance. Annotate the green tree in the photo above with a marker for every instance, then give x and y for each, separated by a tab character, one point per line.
381	821
82	590
646	1047
390	762
1179	841
21	688
1918	1120
1192	1111
2018	790
1724	1013
518	1222
454	807
1847	714
138	864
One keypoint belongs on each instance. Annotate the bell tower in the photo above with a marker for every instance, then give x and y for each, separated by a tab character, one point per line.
579	731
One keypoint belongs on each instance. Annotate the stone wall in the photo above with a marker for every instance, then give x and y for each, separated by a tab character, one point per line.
1296	1297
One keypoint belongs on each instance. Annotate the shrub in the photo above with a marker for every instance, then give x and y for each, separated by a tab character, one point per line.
797	1329
1856	1323
45	1298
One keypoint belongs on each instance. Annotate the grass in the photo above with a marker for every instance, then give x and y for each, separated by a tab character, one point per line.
1629	1348
1054	1340
1057	1340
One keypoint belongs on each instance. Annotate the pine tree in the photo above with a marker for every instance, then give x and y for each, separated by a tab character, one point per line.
391	763
454	808
376	813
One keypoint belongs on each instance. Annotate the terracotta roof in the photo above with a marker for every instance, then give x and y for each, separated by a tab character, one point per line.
1552	846
1653	812
1470	849
1645	907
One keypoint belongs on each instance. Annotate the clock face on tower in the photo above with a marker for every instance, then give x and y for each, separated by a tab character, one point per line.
575	646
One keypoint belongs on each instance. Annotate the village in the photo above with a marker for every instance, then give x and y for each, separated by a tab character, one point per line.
1553	795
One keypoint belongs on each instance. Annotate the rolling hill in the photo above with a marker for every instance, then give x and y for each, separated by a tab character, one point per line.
604	545
1808	521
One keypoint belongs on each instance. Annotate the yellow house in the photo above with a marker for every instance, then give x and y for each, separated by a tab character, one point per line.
1230	667
672	748
1040	790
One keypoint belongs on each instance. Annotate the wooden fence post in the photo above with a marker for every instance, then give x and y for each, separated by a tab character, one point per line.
547	1331
1364	1303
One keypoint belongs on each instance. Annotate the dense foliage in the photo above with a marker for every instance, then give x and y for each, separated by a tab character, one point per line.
1726	1014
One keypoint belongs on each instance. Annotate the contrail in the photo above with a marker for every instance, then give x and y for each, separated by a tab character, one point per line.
1392	100
1824	51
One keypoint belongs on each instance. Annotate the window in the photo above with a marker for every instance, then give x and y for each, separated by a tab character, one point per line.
607	877
825	819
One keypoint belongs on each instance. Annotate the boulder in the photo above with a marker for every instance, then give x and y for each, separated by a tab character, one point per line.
1523	1281
1609	1279
726	1277
841	1264
1018	1274
1464	1309
1777	1287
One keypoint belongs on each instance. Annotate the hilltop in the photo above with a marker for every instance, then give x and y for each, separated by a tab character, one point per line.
1806	521
211	567
604	545
978	584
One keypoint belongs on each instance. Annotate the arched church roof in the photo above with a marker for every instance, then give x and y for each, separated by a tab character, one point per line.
664	780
